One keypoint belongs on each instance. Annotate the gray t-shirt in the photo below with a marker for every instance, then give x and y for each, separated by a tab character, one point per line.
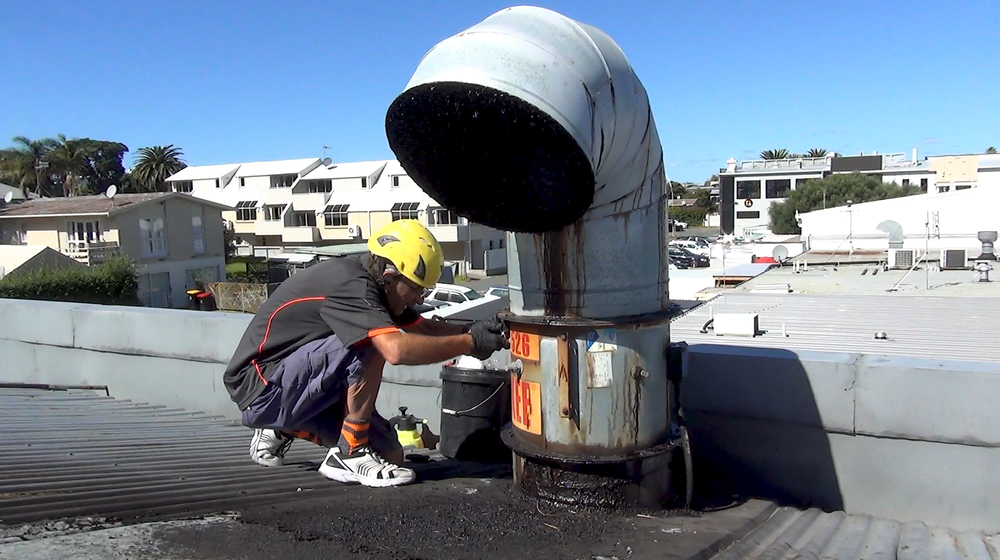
336	297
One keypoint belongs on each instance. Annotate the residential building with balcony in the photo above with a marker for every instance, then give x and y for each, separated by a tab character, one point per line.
174	238
314	203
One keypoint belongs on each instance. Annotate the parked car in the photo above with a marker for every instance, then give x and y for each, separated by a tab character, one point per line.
499	291
678	264
680	258
451	293
698	248
429	305
697	260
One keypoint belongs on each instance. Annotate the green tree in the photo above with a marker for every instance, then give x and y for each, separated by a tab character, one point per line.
24	164
153	165
705	200
68	161
780	153
104	164
816	152
991	150
836	190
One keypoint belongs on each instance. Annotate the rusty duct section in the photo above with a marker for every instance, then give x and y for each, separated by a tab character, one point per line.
536	124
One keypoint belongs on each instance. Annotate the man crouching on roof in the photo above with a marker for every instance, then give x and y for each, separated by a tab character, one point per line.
310	363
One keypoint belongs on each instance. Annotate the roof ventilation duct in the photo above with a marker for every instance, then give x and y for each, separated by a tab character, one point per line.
987	238
895	232
533	123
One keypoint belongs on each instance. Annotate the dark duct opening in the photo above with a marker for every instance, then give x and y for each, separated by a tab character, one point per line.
490	157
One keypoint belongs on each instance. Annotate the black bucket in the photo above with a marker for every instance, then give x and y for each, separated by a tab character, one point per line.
475	407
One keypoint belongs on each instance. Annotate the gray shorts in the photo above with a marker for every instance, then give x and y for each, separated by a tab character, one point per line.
306	395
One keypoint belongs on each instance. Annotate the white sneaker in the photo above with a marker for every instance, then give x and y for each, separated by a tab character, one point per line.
268	447
364	466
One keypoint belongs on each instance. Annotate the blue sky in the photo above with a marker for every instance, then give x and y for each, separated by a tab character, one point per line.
244	81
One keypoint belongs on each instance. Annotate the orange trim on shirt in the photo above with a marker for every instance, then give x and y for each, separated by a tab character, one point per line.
267	332
383	330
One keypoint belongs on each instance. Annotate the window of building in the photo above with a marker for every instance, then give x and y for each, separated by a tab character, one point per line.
962	187
923	184
153	238
405	211
198	233
445	217
906	182
243	181
364	182
193	276
777	188
395	180
944	188
283	181
321	186
801	181
747	189
81	234
273	213
183	186
303	219
748	215
246	211
217	185
335	215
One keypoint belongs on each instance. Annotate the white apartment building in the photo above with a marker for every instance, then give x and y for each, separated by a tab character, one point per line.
749	188
315	203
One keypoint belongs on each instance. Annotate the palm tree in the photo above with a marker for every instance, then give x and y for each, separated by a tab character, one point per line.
991	150
780	153
816	152
68	158
153	165
23	164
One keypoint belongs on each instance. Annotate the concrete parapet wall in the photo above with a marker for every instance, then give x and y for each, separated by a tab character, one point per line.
902	438
167	357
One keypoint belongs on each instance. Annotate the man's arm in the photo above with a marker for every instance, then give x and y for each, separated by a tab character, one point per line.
400	348
435	327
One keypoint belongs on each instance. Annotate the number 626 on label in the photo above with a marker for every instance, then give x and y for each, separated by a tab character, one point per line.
524	345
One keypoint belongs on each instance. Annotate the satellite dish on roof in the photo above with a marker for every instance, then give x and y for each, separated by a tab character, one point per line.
780	253
327	161
8	197
112	191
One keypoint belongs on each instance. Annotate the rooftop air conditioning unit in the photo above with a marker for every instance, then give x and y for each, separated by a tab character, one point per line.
901	258
354	231
954	259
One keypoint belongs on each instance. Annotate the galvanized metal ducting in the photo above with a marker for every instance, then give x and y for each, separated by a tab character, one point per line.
533	123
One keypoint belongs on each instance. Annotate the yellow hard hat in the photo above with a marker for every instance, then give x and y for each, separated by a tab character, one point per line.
411	248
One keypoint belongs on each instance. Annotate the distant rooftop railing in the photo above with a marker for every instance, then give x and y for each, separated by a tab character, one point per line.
797	163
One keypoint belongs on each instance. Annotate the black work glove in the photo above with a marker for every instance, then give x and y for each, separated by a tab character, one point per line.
487	337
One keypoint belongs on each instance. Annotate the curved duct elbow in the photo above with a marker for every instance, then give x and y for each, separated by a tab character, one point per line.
536	124
895	232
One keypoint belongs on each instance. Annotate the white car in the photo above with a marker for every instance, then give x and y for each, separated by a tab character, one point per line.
451	294
695	247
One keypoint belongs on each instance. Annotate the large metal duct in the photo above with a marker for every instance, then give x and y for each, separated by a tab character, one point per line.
536	124
531	122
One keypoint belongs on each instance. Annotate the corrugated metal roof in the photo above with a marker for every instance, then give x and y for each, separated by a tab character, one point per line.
791	533
931	327
70	453
97	204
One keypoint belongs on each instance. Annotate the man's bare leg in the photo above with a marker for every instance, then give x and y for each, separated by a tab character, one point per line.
360	406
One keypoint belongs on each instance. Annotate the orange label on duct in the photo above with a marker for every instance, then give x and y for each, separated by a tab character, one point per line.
524	345
525	400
